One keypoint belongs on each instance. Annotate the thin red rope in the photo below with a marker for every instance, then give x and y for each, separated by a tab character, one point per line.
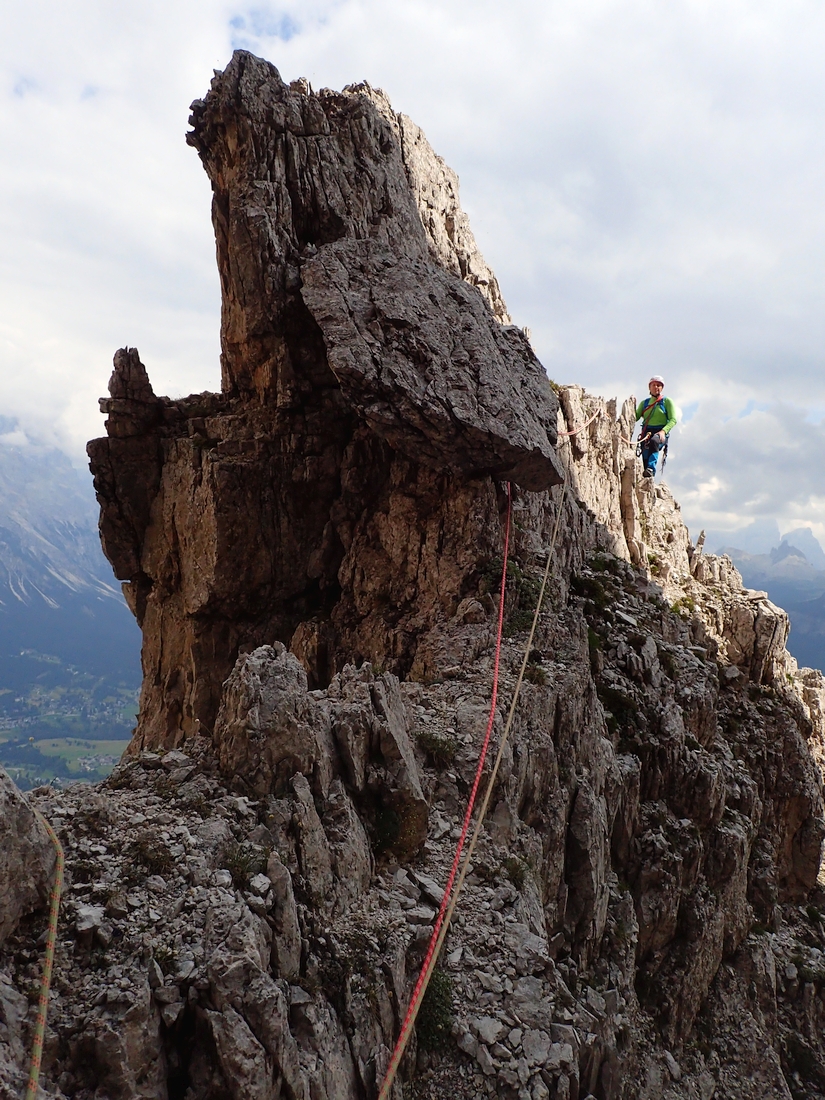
418	992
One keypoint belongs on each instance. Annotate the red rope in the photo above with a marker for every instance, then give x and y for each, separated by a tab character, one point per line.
420	985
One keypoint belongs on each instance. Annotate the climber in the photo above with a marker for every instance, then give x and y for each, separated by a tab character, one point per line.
658	416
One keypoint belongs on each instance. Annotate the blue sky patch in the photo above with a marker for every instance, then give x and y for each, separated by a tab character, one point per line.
260	23
752	406
23	86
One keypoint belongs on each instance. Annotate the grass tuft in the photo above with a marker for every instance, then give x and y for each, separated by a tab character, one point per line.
435	1017
243	861
147	855
440	748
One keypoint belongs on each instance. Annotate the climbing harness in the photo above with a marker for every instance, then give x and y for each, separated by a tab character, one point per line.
640	451
640	448
648	411
450	899
48	963
646	432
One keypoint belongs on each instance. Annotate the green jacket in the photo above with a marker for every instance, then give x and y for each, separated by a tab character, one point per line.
660	420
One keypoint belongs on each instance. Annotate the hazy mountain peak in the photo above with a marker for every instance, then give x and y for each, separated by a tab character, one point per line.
762	538
785	551
48	531
759	537
806	542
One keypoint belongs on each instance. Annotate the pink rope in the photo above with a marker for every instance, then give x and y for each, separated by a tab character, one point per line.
419	990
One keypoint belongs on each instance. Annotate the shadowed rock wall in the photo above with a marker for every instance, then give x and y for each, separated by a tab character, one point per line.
338	494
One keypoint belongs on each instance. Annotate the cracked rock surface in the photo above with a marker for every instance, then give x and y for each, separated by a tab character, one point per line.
644	915
313	556
371	389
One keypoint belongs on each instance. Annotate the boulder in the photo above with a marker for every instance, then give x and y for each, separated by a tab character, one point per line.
27	858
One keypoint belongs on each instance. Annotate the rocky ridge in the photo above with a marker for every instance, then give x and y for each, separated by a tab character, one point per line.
646	886
251	892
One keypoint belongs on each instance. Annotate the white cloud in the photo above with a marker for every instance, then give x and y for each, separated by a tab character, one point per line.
646	180
104	211
764	463
16	438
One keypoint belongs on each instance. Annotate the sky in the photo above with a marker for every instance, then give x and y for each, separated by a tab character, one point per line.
645	178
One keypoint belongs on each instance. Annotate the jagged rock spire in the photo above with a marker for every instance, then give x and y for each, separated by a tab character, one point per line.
334	203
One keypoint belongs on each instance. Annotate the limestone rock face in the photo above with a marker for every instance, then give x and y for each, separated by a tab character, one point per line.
27	867
435	190
314	556
318	202
353	736
417	356
370	391
27	858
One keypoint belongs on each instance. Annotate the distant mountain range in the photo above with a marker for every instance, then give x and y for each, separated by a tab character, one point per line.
69	646
791	569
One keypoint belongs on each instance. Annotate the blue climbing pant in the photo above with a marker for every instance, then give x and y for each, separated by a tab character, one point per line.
650	451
